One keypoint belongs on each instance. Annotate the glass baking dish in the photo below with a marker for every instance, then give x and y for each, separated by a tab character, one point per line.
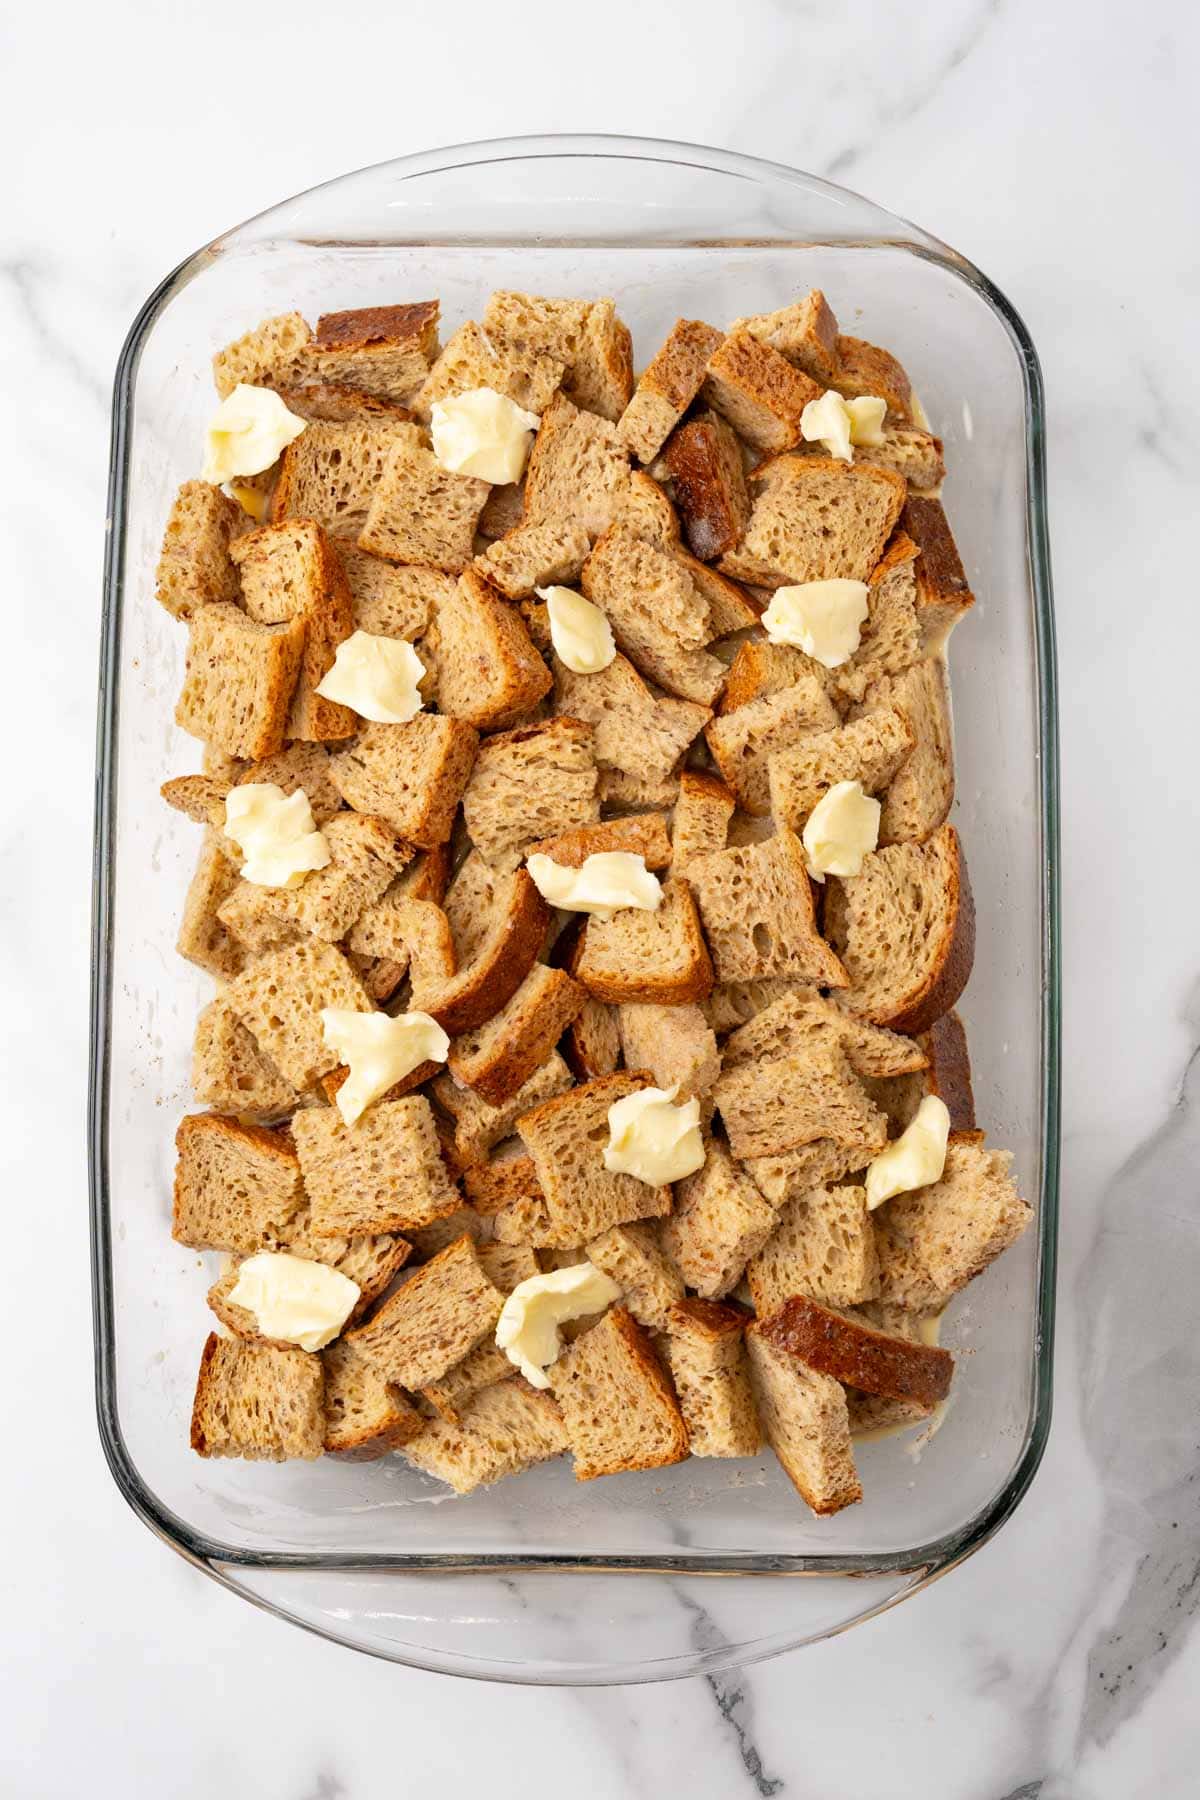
543	1579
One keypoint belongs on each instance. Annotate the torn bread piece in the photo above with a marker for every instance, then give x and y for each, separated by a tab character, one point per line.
757	911
873	749
497	1058
412	775
195	567
432	1321
235	1184
706	1355
502	1431
578	472
420	512
474	358
382	1174
279	1000
636	731
267	356
805	1417
744	741
541	553
533	782
658	616
488	671
920	792
675	1043
290	571
618	1405
857	1355
797	1098
806	332
701	820
823	1245
229	1071
654	958
365	1417
478	1126
239	680
633	1257
759	391
943	596
816	520
330	472
933	1241
390	599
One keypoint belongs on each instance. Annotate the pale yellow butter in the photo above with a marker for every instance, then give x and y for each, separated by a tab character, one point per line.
603	883
842	828
482	433
376	677
822	618
248	432
253	501
581	635
652	1138
528	1327
867	414
838	424
294	1300
379	1052
917	1157
276	834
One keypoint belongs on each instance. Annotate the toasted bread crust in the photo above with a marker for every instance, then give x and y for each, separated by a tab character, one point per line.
858	1356
364	325
956	958
948	1074
490	982
711	1319
705	464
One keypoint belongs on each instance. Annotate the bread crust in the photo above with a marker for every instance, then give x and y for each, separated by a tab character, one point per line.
956	956
510	951
948	1074
876	1362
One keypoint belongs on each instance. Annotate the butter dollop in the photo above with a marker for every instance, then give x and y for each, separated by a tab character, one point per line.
294	1300
379	1051
248	432
528	1327
602	884
917	1157
482	433
822	618
842	828
377	677
581	635
652	1138
838	424
276	834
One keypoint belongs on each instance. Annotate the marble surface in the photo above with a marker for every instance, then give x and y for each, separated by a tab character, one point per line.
1054	145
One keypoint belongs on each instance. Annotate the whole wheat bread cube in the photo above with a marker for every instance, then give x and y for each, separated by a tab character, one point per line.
732	608
757	910
890	640
535	555
257	1402
506	934
566	1137
708	479
816	519
390	599
364	1417
592	1044
381	349
800	1017
653	958
947	1073
854	1353
497	1058
431	1322
599	378
633	1257
743	741
805	1417
239	680
734	1003
921	791
365	855
526	1220
621	792
534	782
422	513
372	1263
478	1126
675	1043
666	387
195	567
807	1166
761	668
805	332
279	1000
823	1245
636	731
332	402
645	510
428	1240
508	1175
707	1359
488	670
618	1406
298	765
476	358
702	814
383	1174
759	391
658	615
550	324
808	1093
230	1072
720	1221
203	939
641	834
260	920
863	368
503	510
412	775
943	595
200	798
917	455
267	356
502	1431
905	930
578	472
873	749
289	571
235	1184
480	1368
330	472
933	1241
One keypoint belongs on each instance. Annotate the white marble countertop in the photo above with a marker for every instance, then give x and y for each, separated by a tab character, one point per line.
1056	146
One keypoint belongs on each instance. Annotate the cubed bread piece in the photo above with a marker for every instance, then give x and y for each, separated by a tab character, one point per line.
381	349
854	1353
259	920
639	834
200	798
566	1138
658	616
621	792
917	455
526	1220
280	998
707	1359
428	1240
330	472
743	742
633	1257
806	1094
675	1043
759	391
234	1184
382	1174
534	782
535	555
805	1417
578	471
797	1018
708	480
636	731
257	1402
816	519
230	1072
932	1241
720	1221
299	765
365	1417
478	1126
365	855
508	1265
372	1263
797	1171
289	571
203	939
473	358
592	1044
654	958
488	671
921	792
757	909
702	814
239	680
666	387
734	1003
731	607
805	332
503	511
508	1175
947	1073
823	1245
497	1058
412	775
333	402
863	368
422	513
502	1431
905	930
645	510
480	1368
493	964
617	1403
761	668
873	749
194	567
599	377
890	640
268	355
942	592
430	1322
391	599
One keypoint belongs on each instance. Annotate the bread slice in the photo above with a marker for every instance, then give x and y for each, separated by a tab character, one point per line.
800	1018
381	349
535	555
383	1174
905	930
230	1072
502	1431
862	368
365	1417
488	671
618	1406
874	749
823	1245
943	595
805	332
330	472
497	1058
534	782
268	355
759	391
757	909
639	834
600	376
808	1093
874	1362
891	635
478	1126
933	1241
239	680
279	1000
566	1137
666	387
654	958
194	567
422	513
706	1356
412	775
578	471
921	791
203	939
708	479
289	571
702	814
805	1417
657	614
633	1257
815	519
507	1176
675	1043
474	358
744	741
720	1221
432	1320
257	1402
390	599
235	1184
635	730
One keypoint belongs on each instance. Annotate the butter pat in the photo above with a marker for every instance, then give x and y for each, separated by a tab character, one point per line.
602	884
294	1300
379	1052
376	677
482	433
254	501
916	1158
842	828
652	1138
867	414
838	424
248	432
528	1327
822	618
276	834
581	635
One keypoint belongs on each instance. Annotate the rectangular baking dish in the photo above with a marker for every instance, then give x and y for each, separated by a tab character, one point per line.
666	229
